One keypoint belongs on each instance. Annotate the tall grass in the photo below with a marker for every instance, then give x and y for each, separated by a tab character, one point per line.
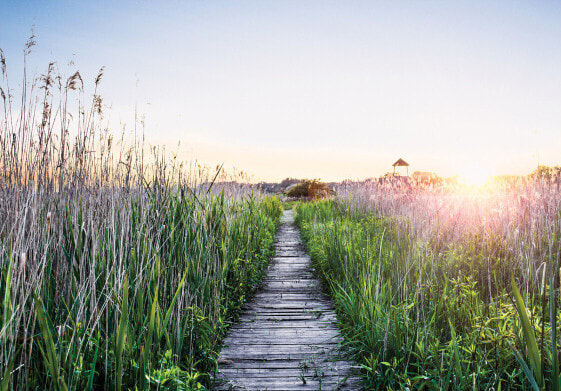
426	282
120	268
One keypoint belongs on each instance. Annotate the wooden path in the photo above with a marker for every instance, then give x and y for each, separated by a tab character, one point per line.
286	338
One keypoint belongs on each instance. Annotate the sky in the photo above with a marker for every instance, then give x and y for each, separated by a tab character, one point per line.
316	89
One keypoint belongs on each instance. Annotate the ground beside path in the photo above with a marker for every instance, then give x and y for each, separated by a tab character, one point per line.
286	338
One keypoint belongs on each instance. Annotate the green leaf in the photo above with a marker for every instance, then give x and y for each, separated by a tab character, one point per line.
121	334
553	320
92	367
148	341
6	378
526	370
454	345
529	335
169	311
49	353
7	294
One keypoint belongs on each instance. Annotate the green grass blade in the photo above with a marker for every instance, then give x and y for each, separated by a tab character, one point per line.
527	371
529	335
7	305
169	311
148	340
49	353
454	345
6	378
121	334
553	320
92	367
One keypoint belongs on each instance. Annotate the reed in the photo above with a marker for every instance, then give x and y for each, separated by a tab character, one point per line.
444	288
120	267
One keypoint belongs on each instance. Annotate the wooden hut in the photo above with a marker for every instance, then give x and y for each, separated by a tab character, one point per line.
401	163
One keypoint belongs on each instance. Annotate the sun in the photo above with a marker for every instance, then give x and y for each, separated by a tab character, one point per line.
475	175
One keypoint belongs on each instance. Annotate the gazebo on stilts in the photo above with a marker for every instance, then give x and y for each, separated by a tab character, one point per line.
401	163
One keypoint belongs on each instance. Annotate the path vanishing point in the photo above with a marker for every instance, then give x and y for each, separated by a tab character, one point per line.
286	338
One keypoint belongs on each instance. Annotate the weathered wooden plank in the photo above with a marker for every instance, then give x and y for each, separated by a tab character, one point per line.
274	296
285	268
321	314
311	315
280	346
292	324
282	339
251	313
303	339
287	318
296	374
275	380
288	254
292	384
302	305
291	275
271	312
272	357
288	261
270	306
292	272
287	364
302	326
299	306
302	286
299	279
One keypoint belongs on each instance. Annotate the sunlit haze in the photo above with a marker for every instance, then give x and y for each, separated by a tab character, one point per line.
330	90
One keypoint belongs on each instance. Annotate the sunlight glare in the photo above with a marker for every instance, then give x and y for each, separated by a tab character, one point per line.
475	175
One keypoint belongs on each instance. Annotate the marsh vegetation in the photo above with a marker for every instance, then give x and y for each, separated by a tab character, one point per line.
444	289
120	267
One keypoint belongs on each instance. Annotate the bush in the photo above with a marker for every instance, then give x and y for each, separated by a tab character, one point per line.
318	190
299	190
309	188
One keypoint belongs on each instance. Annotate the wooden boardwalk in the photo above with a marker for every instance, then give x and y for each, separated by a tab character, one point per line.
286	338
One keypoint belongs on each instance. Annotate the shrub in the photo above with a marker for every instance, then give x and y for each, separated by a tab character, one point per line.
309	188
318	189
299	190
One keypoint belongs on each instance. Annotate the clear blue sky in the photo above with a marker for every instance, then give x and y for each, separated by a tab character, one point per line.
330	89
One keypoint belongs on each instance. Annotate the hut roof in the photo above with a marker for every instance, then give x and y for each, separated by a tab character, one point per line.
400	162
